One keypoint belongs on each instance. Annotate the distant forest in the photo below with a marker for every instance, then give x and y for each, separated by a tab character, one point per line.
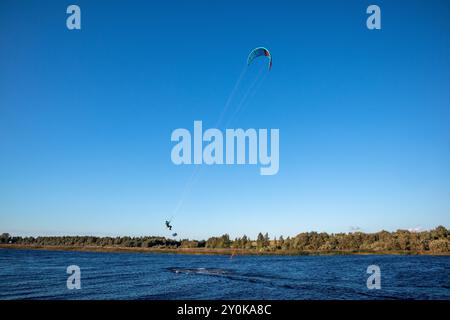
433	241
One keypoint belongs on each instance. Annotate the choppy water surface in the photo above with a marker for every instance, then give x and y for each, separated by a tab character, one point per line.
32	274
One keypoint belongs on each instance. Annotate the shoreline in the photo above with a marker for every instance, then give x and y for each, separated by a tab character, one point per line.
212	251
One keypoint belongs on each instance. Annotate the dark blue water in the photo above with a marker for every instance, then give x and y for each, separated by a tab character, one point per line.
28	274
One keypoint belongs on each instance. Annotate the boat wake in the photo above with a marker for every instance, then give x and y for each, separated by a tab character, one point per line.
203	271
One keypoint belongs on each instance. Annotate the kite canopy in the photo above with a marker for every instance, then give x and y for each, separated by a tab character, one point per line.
258	52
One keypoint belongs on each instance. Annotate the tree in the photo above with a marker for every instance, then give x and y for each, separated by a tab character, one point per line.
439	246
266	240
4	238
225	241
260	241
441	232
280	242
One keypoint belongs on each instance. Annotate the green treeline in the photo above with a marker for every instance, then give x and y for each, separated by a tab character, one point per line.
435	241
128	242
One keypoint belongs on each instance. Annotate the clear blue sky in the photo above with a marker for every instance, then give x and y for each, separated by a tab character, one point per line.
86	116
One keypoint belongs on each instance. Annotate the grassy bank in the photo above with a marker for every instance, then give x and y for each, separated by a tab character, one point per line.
211	251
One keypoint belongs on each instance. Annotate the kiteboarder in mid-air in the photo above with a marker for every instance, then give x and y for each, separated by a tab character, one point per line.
256	53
